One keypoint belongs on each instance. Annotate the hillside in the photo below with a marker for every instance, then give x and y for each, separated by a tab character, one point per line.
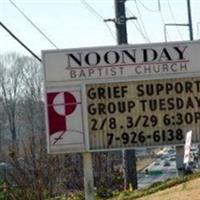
186	191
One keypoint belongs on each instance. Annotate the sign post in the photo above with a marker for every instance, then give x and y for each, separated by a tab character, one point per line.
187	147
88	176
179	160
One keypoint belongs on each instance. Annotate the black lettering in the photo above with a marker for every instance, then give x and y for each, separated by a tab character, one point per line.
82	73
111	108
140	90
131	105
197	85
169	87
164	56
101	108
116	92
189	103
124	90
198	101
149	53
179	103
94	124
126	54
152	104
162	104
115	58
91	93
188	118
94	60
143	102
102	93
113	71
77	60
91	71
91	109
188	87
197	117
121	107
178	87
73	73
180	52
171	105
149	89
159	88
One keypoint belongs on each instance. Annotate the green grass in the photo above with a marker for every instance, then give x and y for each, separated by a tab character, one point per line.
162	185
105	193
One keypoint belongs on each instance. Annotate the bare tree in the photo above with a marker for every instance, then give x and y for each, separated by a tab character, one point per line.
33	106
1	124
10	76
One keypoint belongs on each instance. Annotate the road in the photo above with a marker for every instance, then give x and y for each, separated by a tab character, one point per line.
157	172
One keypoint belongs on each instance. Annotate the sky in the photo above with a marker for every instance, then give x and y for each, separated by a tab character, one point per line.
79	23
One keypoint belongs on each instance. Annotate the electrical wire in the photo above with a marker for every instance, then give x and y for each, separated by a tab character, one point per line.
137	26
20	42
151	10
163	22
33	24
173	17
137	7
95	13
198	23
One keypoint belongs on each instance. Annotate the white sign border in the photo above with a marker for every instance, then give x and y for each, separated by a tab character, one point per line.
85	137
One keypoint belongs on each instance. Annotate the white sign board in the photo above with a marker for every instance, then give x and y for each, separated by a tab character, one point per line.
187	147
65	119
121	61
67	71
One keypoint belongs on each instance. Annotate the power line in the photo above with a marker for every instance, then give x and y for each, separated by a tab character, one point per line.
33	24
18	40
96	14
141	20
173	17
137	26
198	23
91	9
163	21
149	9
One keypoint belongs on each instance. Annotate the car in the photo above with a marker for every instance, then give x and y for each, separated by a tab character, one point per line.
164	156
166	163
192	165
171	151
172	158
194	150
5	170
156	163
187	170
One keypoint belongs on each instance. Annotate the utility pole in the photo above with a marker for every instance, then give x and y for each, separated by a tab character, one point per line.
120	22
129	158
190	20
180	149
